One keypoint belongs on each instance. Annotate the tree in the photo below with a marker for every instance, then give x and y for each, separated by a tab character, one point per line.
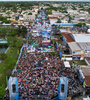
38	11
24	31
30	13
49	12
3	56
4	19
59	21
80	24
41	8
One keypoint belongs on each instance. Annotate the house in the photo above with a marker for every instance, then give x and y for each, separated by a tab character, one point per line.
67	38
76	51
53	21
52	17
78	47
29	18
64	21
3	41
71	11
85	37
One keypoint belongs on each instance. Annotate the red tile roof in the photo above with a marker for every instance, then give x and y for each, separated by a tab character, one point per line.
87	81
68	37
88	58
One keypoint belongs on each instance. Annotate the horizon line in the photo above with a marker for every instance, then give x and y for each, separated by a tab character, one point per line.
50	0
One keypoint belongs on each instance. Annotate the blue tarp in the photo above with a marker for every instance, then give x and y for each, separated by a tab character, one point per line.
45	45
39	67
60	53
68	24
55	24
45	32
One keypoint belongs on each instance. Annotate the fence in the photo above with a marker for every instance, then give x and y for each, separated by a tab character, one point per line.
6	50
18	58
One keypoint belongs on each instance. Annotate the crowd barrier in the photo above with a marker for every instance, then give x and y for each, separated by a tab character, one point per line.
6	50
18	58
9	25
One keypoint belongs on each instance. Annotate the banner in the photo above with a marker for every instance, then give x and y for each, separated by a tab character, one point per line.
76	57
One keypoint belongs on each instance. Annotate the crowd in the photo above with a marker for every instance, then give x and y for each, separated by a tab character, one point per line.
35	39
39	73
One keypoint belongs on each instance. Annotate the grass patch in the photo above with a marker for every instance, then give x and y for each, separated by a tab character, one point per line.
7	66
81	62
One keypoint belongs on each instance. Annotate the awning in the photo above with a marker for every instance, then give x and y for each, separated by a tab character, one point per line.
34	44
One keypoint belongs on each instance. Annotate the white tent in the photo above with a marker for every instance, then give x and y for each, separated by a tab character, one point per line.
88	30
67	64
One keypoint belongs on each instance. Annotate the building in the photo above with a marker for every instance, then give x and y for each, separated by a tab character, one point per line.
76	50
29	18
53	21
67	38
85	37
79	44
79	49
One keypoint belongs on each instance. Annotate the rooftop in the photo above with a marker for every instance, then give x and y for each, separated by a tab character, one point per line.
81	37
64	31
74	46
3	41
84	46
68	37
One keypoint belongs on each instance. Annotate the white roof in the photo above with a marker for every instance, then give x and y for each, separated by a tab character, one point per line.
68	59
79	46
53	21
74	46
88	30
84	46
63	30
66	64
81	37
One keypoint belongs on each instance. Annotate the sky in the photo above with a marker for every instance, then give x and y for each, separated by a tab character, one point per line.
47	0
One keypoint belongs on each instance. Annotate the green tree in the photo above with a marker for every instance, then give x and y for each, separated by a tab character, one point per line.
59	21
24	31
41	8
30	13
38	11
3	56
80	24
